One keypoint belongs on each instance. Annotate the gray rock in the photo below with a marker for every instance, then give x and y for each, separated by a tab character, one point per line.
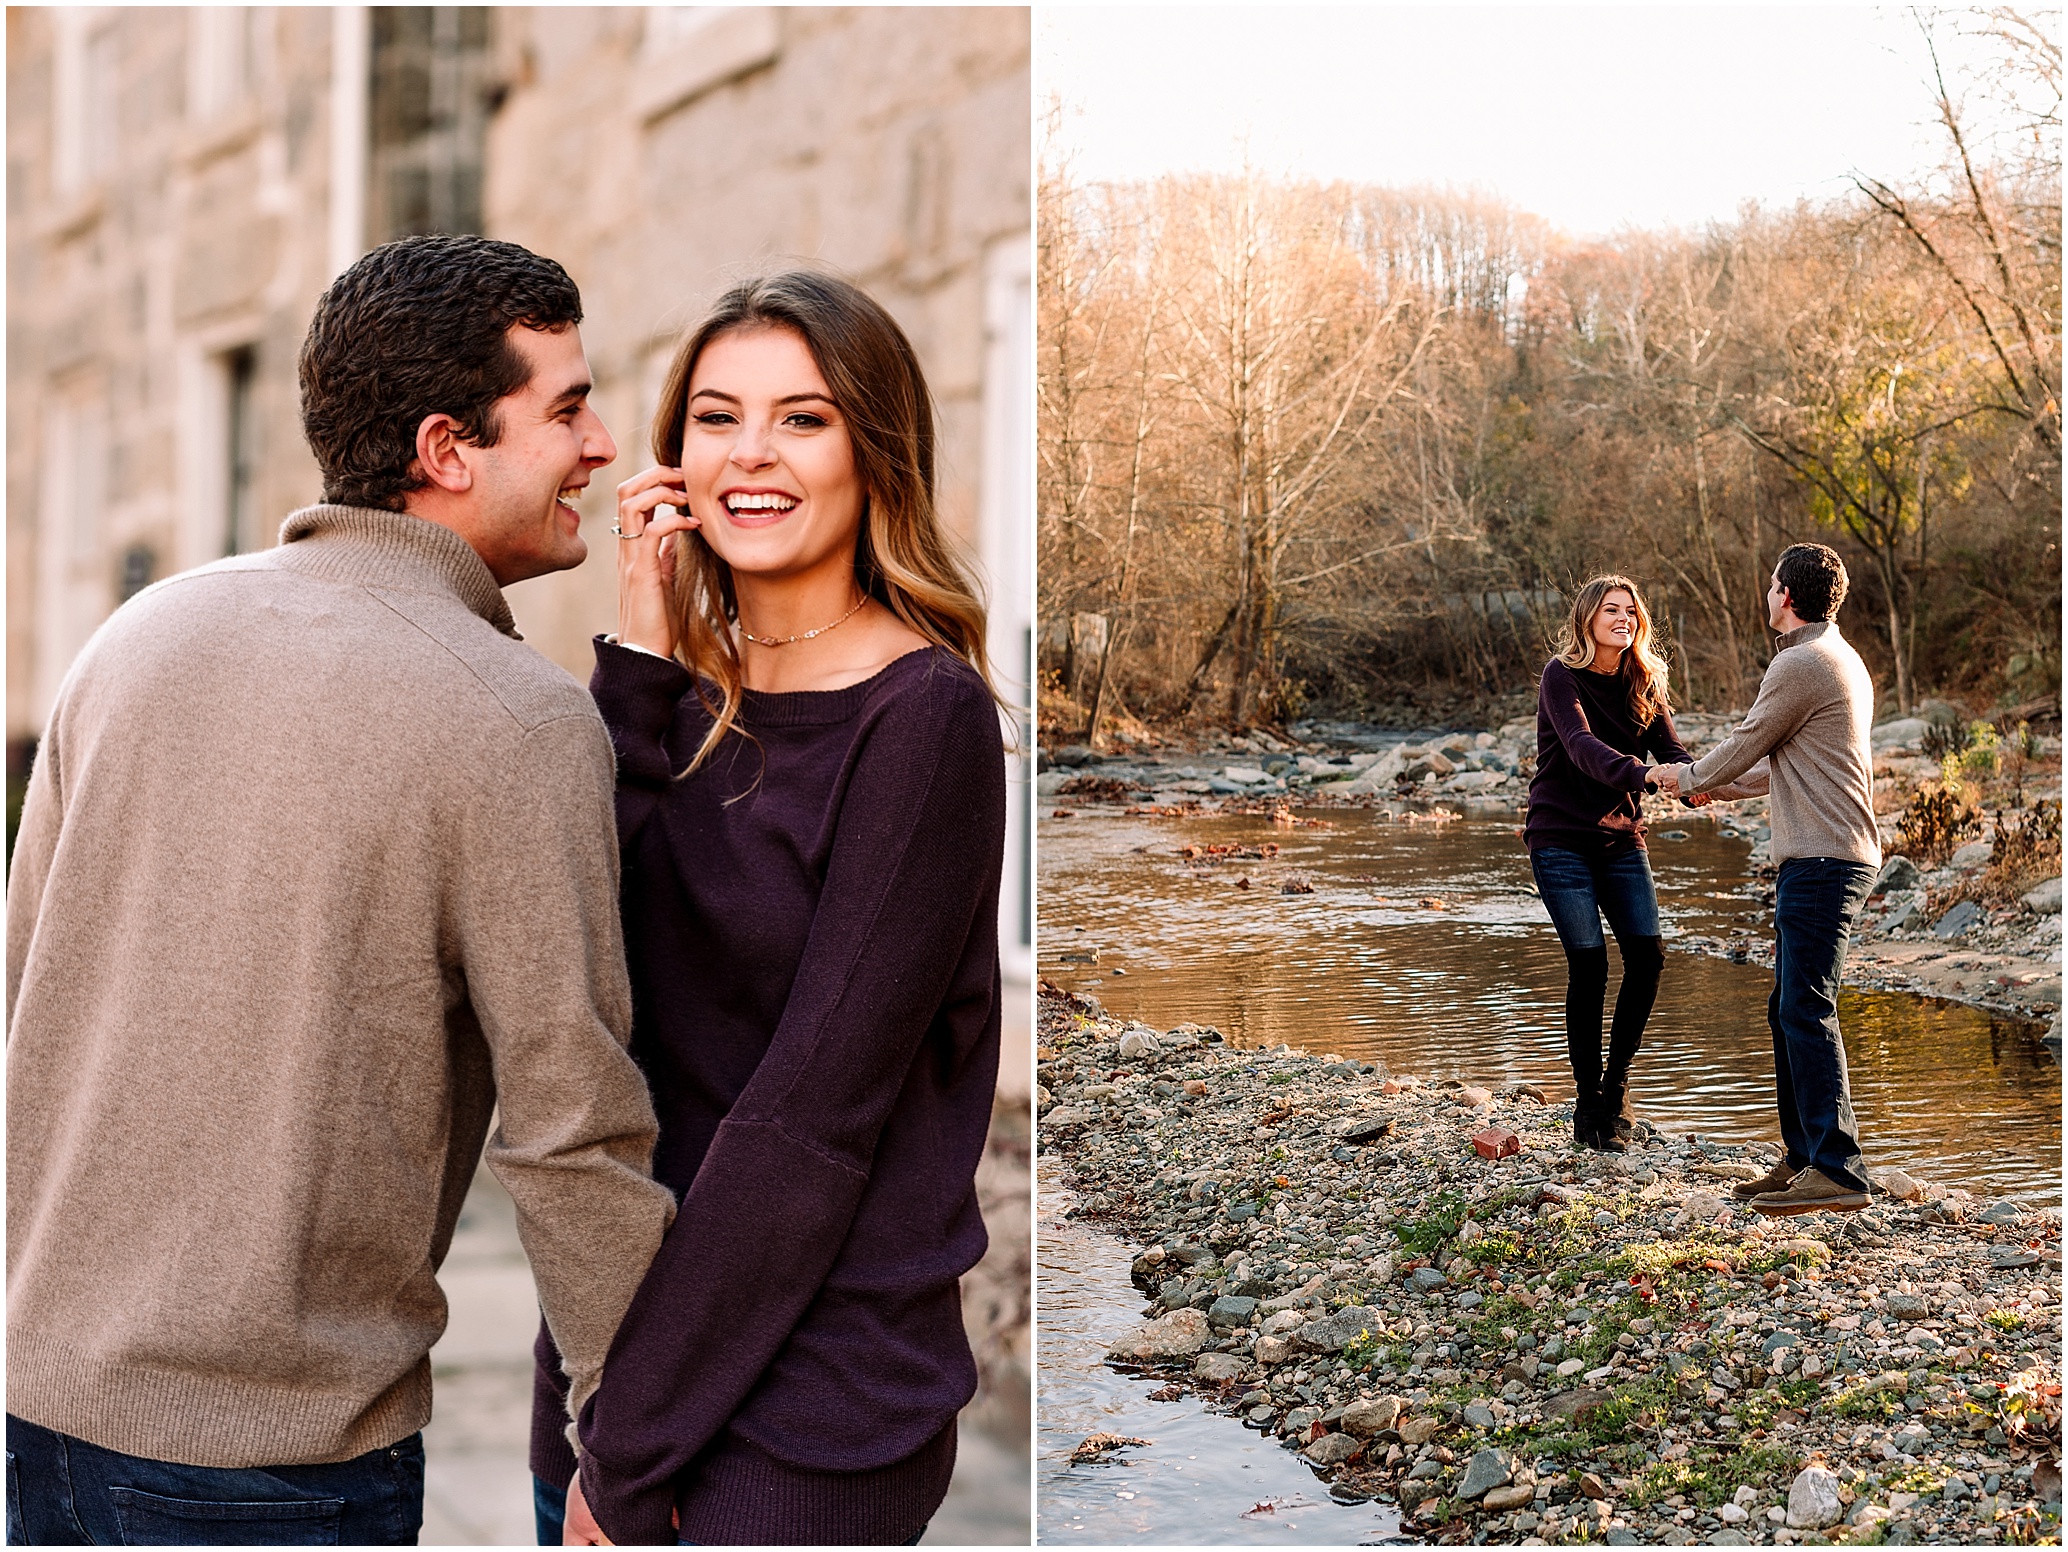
1332	1449
1331	1334
1730	1538
1366	1418
2001	1212
1575	1404
1479	1415
1488	1468
1973	855
2046	899
1179	1334
1217	1367
1470	1301
1300	1419
1813	1500
1779	1340
1230	1311
1898	733
1139	1042
1958	920
1899	872
1426	1279
1910	1306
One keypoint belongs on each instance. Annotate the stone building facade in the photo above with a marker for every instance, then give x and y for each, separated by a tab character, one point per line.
183	183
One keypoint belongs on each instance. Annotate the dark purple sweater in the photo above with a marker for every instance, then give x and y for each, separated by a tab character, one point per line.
811	926
1590	769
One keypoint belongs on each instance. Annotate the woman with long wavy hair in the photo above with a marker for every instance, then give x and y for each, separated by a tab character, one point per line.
1601	707
811	813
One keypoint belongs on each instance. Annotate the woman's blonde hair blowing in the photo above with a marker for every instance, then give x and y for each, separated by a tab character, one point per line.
1643	668
902	558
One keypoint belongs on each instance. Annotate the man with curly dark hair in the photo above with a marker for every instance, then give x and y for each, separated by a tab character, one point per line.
1805	742
317	872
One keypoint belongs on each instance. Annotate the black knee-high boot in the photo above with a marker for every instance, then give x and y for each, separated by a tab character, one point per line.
1643	960
1586	987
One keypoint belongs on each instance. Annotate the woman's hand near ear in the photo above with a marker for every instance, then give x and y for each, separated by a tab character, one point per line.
645	557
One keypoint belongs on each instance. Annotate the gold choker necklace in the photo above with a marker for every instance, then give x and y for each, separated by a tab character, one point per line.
784	641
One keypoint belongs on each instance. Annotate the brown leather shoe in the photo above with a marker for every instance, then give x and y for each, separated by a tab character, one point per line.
1812	1191
1779	1178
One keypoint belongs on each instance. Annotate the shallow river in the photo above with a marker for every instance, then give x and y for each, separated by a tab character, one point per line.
1202	1479
1475	989
1365	967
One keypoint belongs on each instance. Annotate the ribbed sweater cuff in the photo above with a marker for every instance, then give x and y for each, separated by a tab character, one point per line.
740	1495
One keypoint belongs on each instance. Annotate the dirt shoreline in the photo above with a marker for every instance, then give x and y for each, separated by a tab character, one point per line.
1547	1346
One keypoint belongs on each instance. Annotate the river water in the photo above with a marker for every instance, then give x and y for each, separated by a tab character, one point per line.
1474	989
1201	1479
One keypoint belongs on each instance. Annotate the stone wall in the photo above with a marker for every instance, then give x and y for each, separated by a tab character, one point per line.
175	196
662	155
168	204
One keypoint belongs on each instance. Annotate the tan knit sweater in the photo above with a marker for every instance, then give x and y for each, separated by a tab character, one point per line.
317	871
1809	723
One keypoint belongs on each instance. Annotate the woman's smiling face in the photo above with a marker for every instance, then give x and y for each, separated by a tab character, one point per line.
766	457
1615	622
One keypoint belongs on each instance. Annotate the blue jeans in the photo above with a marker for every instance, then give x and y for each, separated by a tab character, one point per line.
1579	889
62	1491
549	1509
1815	901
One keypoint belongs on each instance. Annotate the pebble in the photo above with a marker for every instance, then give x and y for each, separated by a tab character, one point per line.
1865	1348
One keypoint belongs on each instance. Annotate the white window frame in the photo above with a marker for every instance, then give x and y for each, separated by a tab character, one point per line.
221	59
1006	528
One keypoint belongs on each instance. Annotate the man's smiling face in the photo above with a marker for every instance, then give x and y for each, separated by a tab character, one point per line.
523	522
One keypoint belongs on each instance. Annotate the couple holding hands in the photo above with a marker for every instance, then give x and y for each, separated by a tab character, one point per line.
322	874
1602	708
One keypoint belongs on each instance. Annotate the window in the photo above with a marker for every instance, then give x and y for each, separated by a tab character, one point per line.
85	96
220	59
240	374
72	595
429	115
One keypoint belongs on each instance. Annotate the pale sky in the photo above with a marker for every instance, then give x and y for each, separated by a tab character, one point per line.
1592	116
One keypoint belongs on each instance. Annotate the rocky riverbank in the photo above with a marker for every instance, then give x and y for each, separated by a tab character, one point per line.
1427	1293
1920	932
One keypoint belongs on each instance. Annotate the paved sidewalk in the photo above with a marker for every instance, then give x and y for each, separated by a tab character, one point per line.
478	1490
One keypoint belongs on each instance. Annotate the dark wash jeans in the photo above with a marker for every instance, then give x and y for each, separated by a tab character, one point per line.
64	1492
1578	890
549	1509
1815	901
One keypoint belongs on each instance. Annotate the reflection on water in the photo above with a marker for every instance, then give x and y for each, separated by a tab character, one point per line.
1475	989
1203	1479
